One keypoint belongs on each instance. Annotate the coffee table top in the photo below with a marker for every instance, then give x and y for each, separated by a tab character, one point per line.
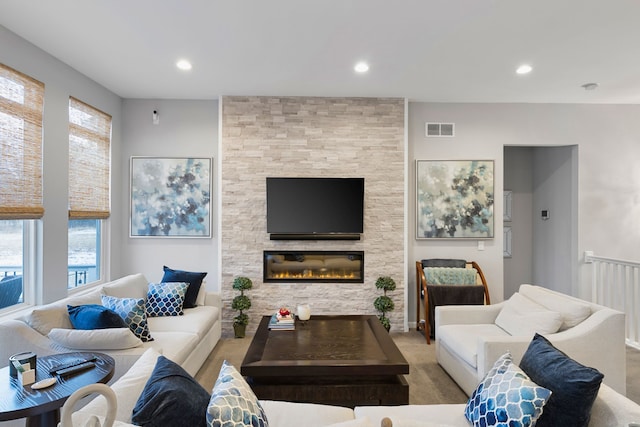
17	401
355	345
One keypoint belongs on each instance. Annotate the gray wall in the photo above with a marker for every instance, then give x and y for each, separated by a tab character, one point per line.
186	129
61	82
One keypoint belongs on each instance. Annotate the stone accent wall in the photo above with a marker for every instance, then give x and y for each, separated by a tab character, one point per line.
311	137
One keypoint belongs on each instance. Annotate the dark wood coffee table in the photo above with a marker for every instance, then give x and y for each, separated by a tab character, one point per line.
42	407
338	360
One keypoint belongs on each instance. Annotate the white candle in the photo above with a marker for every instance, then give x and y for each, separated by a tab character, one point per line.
304	312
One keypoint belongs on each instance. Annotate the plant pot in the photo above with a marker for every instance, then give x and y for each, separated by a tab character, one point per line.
239	330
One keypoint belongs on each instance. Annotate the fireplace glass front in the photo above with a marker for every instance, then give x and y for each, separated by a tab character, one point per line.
314	266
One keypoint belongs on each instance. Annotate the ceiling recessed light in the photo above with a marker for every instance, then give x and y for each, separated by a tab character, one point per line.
590	86
524	69
183	64
361	67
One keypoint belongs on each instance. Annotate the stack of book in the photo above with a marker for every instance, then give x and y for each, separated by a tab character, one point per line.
282	323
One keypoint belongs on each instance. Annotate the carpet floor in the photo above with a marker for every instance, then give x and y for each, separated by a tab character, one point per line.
428	382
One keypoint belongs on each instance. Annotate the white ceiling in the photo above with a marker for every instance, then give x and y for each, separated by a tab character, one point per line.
425	50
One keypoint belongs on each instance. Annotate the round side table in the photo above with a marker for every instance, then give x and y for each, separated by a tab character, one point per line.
42	407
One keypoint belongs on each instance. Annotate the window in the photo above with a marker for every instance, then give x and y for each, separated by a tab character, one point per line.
84	252
21	107
89	190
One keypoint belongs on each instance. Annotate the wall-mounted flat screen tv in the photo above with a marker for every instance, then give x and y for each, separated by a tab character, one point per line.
315	206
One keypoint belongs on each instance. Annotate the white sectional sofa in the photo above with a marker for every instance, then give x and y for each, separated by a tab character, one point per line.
469	339
187	339
610	409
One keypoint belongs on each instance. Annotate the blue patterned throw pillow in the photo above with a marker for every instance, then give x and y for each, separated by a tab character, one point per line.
166	299
233	403
506	397
133	313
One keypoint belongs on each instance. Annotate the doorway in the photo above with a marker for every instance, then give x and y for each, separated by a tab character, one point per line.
543	220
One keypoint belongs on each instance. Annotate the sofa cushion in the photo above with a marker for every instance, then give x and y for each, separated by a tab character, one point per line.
166	299
132	286
97	339
177	346
574	385
233	401
436	415
521	316
506	396
198	320
133	312
358	422
462	339
283	413
194	279
572	310
94	316
171	397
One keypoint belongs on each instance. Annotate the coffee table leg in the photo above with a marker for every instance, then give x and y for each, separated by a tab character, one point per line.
46	419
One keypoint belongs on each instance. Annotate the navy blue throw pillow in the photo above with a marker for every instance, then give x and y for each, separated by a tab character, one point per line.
171	397
192	278
574	386
94	316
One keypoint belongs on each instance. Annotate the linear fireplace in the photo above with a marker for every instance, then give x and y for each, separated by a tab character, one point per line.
314	266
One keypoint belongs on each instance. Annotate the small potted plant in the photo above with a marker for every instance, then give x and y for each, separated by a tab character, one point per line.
383	303
241	302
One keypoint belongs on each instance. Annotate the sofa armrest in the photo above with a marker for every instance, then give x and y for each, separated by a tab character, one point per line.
611	409
213	299
16	336
599	342
585	342
466	314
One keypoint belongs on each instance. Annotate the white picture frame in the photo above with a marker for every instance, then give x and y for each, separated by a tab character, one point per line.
507	197
506	242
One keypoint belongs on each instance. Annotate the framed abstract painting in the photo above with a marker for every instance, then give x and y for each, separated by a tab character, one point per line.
454	199
170	197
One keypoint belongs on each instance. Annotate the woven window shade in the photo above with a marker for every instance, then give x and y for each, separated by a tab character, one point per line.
21	104
89	161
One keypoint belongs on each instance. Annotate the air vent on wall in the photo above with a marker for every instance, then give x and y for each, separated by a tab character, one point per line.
440	129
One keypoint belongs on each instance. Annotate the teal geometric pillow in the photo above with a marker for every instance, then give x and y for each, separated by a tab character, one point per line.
166	299
506	397
233	403
133	313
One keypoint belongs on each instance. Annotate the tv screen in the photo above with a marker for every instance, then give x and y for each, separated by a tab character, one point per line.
315	205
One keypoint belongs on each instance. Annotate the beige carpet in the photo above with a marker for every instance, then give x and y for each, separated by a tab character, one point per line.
428	383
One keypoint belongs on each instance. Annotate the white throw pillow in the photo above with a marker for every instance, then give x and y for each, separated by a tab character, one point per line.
95	339
573	312
132	286
45	319
521	316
